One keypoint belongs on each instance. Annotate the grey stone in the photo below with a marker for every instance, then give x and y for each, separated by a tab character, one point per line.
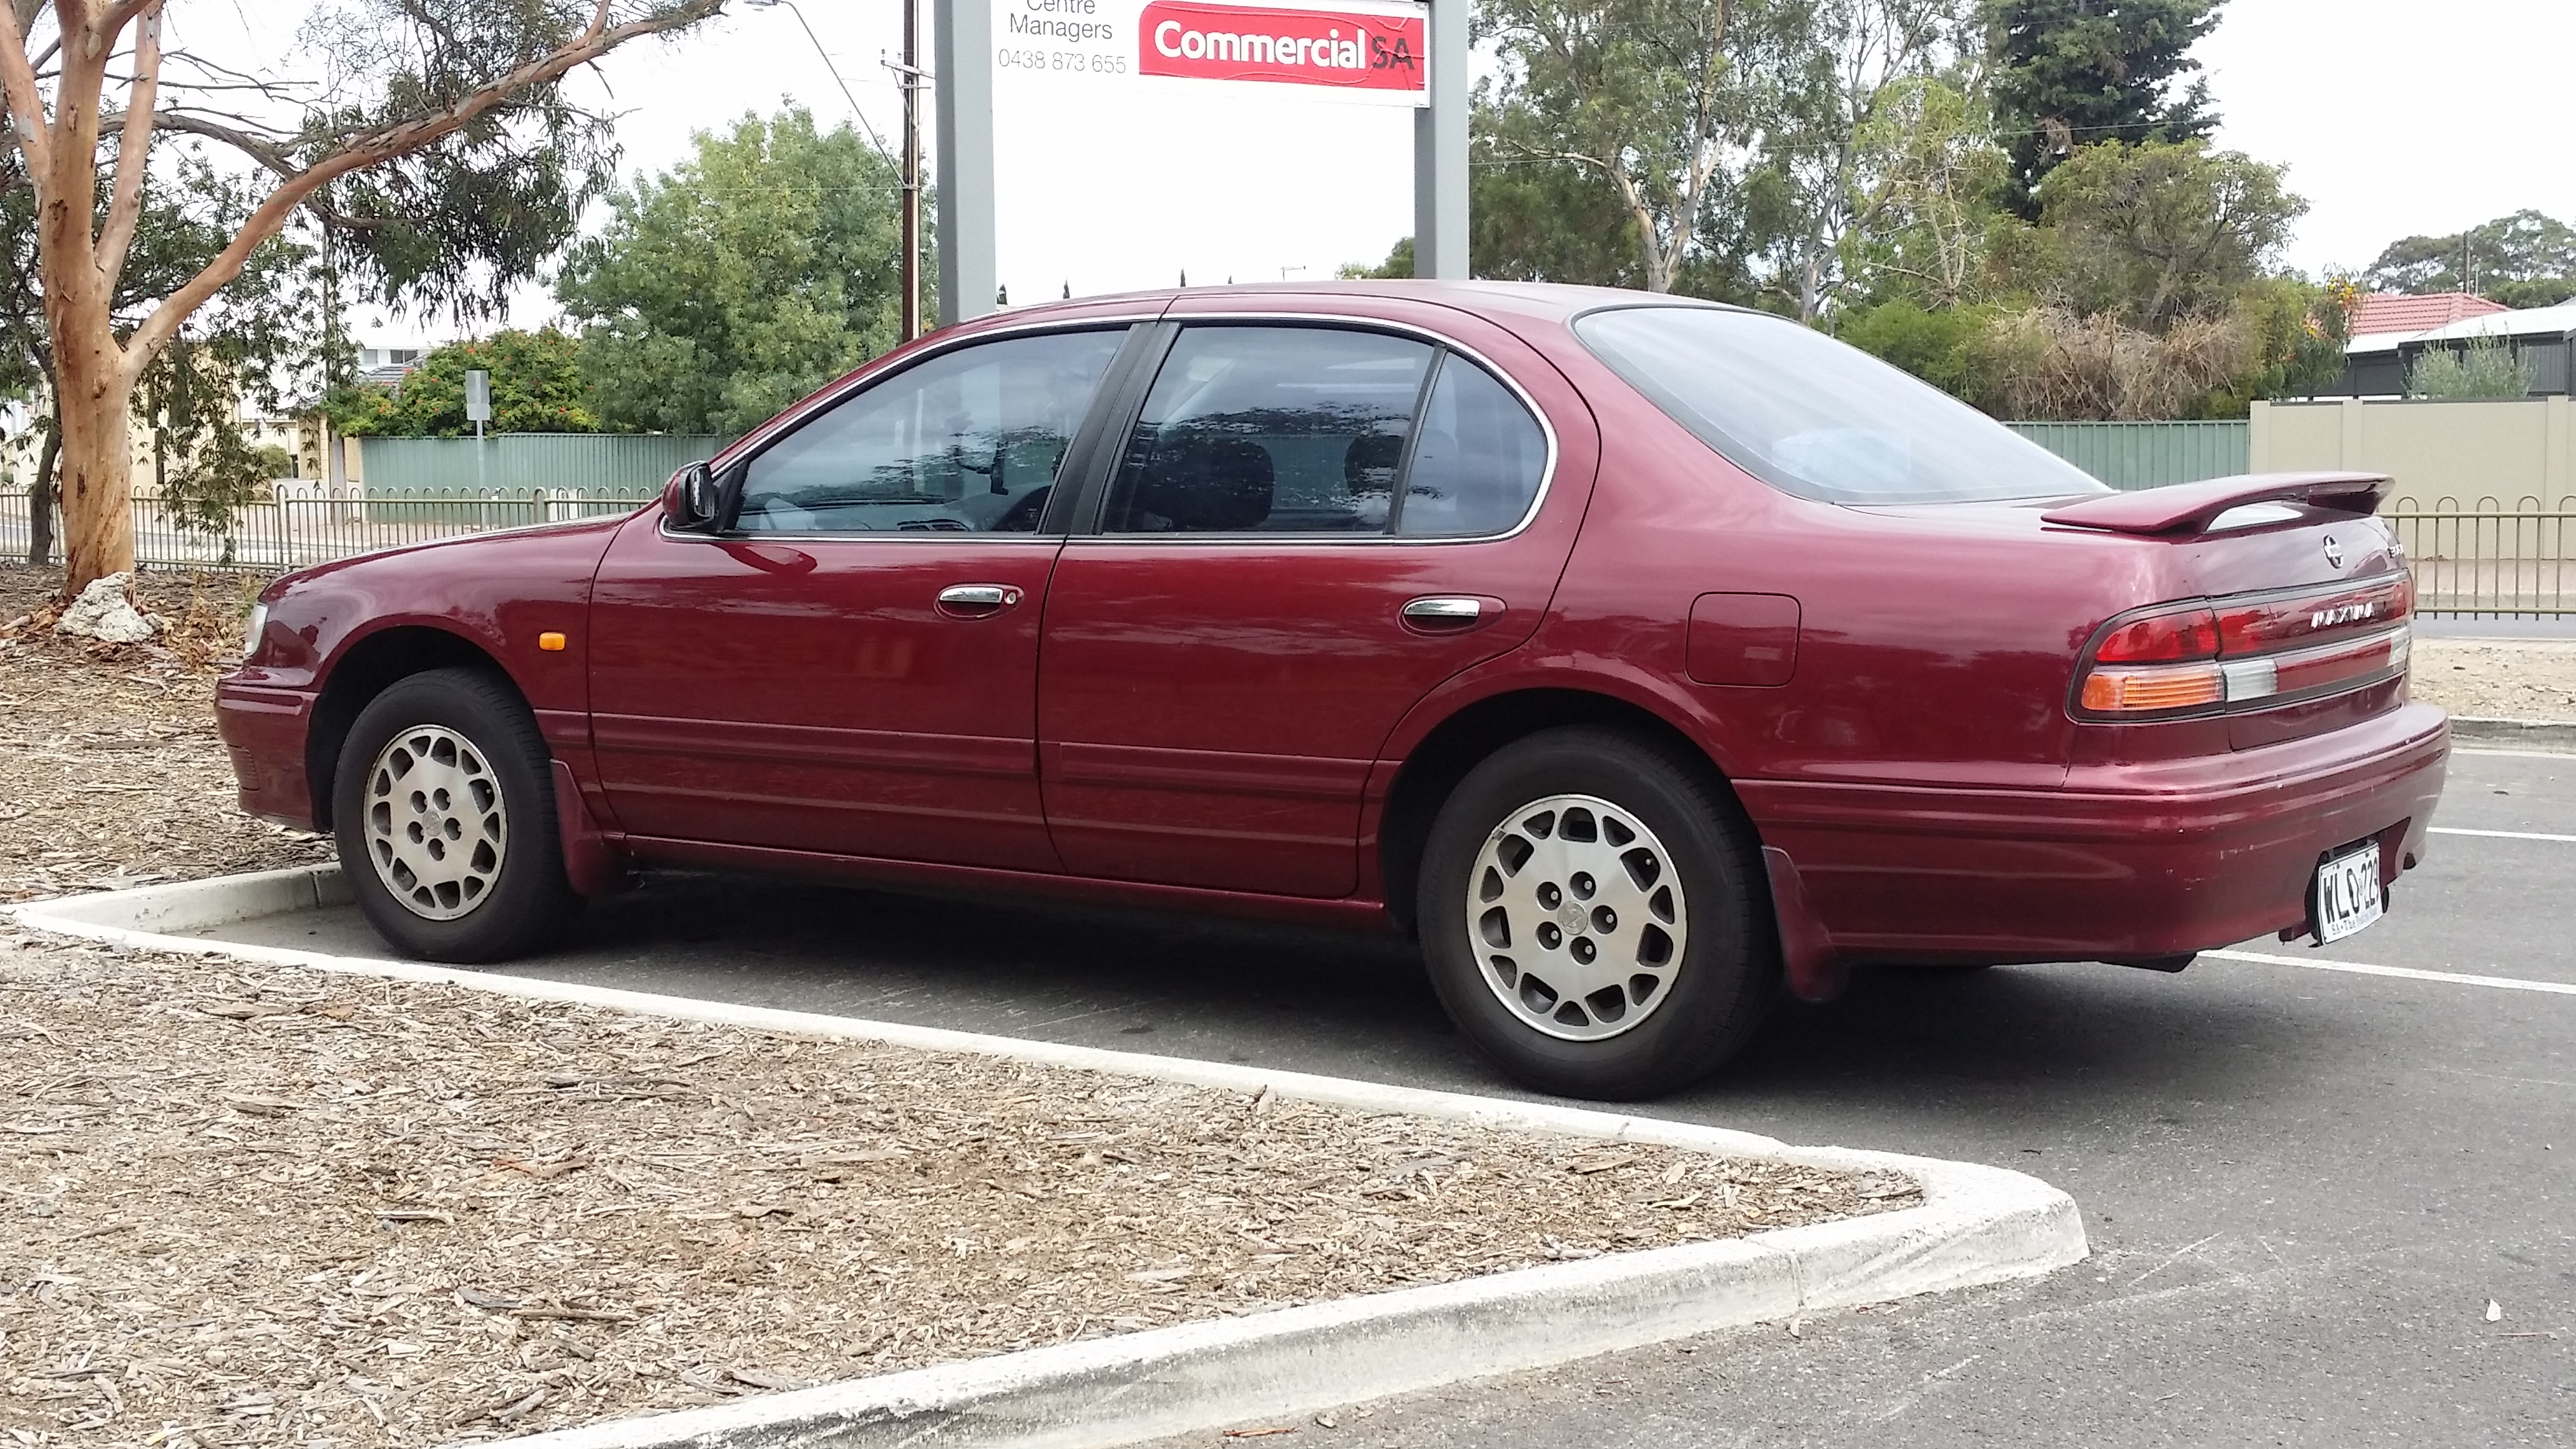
104	612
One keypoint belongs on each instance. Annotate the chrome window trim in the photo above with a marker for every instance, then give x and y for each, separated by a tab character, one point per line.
825	398
1538	500
872	535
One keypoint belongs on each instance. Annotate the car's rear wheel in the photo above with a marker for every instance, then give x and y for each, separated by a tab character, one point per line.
1593	916
445	815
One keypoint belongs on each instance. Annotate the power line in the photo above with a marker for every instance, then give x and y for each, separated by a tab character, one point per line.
873	138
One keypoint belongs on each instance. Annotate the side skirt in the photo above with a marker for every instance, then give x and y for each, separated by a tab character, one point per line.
1349	913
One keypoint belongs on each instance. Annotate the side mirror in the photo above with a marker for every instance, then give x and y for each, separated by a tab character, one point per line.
694	499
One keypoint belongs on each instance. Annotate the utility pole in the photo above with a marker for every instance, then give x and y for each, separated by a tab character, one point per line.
911	77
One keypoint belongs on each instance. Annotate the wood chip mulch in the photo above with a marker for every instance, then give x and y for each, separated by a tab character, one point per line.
111	774
242	1205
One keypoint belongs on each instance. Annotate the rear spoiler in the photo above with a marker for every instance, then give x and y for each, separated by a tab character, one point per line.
2190	508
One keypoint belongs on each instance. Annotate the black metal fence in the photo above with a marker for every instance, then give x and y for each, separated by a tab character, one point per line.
2488	559
308	527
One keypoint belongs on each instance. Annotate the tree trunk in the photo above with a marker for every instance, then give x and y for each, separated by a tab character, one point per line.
98	460
40	499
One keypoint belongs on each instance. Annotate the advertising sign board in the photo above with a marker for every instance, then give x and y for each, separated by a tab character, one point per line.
1089	146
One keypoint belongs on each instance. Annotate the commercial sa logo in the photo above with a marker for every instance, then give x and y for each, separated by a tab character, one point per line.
1291	47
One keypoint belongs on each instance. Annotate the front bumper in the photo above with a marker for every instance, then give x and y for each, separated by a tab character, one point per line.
2127	863
264	730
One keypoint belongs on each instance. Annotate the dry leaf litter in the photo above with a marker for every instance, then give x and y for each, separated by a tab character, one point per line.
255	1206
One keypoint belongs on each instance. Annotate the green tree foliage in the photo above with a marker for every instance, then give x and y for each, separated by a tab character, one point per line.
2069	74
2523	260
2484	367
1939	346
537	387
1921	222
1535	219
1642	94
1839	79
430	137
2156	232
740	280
1538	219
253	343
2145	291
204	466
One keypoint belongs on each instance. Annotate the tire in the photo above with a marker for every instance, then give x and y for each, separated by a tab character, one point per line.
1632	1019
496	887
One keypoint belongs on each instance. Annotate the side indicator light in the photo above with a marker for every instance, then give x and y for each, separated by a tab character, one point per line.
551	642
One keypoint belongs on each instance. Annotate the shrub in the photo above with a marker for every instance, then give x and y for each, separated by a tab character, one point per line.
2486	367
2047	363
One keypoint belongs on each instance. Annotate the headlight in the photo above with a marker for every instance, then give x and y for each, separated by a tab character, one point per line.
252	629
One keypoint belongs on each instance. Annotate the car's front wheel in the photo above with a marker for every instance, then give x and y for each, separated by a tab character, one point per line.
1593	915
445	815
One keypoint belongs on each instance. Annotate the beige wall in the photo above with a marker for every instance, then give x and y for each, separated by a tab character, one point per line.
2522	448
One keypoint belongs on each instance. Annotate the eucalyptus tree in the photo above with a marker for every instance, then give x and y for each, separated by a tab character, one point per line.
1645	95
435	141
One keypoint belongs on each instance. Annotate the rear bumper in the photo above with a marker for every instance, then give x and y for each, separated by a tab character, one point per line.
2128	862
264	731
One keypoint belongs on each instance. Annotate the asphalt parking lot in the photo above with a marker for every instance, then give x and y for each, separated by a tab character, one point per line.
2304	1187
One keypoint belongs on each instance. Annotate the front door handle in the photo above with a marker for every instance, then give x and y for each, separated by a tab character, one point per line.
976	600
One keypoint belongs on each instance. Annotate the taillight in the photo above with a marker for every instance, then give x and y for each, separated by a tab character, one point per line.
2187	634
2173	661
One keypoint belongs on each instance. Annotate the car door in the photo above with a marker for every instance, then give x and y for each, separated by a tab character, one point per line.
1310	525
849	665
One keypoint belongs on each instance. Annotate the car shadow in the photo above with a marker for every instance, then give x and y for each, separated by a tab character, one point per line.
2028	1045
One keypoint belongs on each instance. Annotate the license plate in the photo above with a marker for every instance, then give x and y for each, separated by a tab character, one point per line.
2347	895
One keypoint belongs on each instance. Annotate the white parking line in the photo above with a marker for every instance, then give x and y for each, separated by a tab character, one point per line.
2511	754
2501	834
2408	973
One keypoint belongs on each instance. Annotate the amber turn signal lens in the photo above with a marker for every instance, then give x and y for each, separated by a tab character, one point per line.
550	641
2143	691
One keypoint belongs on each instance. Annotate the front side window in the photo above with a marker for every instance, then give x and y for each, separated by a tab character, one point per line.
1818	419
966	442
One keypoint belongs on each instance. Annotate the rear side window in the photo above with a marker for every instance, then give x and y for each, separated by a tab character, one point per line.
1325	431
1480	459
1816	418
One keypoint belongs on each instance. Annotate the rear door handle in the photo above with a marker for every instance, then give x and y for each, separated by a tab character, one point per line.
977	599
1449	613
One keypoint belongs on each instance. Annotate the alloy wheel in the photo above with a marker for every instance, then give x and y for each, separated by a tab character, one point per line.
437	829
1577	917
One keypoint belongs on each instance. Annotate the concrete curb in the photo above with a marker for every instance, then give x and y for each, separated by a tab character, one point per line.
1977	1225
2555	736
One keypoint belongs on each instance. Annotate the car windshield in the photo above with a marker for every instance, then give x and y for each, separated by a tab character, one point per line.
1818	419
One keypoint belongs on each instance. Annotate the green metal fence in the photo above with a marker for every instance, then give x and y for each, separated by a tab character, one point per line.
2131	456
517	465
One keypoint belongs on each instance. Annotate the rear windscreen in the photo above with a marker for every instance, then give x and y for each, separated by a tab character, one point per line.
1816	418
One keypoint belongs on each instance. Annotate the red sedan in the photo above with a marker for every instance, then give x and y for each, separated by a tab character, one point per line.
1637	656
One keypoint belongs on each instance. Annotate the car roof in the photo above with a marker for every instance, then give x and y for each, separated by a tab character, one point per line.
1548	301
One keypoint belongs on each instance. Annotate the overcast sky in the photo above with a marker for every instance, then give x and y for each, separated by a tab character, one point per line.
2394	117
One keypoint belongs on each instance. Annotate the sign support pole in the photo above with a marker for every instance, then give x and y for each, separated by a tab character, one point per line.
962	64
1440	149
